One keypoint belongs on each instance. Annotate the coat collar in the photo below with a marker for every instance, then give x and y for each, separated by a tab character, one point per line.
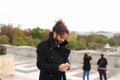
52	42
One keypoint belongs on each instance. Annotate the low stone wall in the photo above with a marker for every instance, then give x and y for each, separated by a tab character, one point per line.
112	57
26	51
6	65
75	56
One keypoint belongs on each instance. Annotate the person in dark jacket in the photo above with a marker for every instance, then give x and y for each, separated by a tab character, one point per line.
102	63
52	55
86	65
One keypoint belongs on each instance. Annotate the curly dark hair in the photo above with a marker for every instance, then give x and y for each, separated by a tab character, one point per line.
60	28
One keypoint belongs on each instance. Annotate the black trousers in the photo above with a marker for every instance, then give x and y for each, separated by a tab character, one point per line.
102	73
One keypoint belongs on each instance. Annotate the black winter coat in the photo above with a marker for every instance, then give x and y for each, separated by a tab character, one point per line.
102	62
49	57
86	63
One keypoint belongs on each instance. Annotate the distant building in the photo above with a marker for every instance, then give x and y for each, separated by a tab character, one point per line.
105	33
19	26
107	46
1	25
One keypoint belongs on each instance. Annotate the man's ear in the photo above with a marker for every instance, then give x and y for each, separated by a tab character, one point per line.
54	35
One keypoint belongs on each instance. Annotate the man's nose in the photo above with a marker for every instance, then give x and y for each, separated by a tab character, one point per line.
63	39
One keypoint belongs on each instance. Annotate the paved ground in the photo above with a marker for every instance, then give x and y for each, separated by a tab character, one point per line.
25	69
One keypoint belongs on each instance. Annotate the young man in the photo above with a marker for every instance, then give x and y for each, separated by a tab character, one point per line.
102	63
52	55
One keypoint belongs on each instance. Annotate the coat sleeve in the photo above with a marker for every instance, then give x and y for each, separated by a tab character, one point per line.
98	62
42	62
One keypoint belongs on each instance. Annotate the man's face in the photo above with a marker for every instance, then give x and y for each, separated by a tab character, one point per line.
61	38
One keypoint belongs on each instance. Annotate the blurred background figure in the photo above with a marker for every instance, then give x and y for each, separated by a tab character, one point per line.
102	63
86	65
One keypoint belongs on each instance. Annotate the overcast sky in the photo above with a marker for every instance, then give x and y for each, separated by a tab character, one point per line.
78	15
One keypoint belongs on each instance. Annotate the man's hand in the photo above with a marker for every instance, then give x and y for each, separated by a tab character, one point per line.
64	67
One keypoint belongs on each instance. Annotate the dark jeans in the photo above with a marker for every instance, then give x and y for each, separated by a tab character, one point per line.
102	73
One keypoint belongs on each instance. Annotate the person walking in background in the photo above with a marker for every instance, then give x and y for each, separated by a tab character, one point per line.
86	65
102	63
52	55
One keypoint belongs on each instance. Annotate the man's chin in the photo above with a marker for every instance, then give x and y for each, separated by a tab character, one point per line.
60	42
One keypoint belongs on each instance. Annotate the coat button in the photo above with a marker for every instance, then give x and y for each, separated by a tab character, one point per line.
50	75
51	57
